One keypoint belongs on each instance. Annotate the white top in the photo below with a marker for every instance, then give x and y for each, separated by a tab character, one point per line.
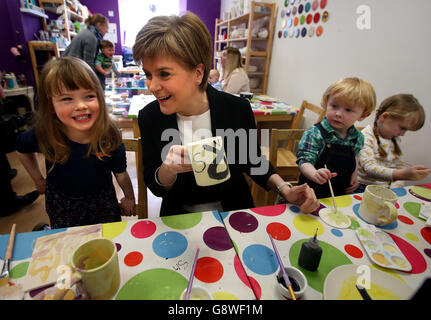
373	169
237	82
194	128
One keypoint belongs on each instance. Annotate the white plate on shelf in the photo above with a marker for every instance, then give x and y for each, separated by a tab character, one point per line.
340	284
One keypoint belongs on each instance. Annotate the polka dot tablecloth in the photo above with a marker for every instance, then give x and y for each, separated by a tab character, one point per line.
264	105
249	230
236	259
156	257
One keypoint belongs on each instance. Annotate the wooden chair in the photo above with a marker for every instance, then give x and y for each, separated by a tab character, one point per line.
308	106
282	158
288	145
135	145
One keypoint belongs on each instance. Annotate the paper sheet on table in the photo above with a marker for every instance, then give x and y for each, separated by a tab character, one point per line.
54	250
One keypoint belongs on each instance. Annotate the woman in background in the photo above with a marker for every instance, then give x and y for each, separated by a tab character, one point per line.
235	79
85	45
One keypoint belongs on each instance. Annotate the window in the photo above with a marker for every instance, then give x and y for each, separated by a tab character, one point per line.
134	14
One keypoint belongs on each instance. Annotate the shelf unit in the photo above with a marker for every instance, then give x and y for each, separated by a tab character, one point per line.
258	50
51	6
40	53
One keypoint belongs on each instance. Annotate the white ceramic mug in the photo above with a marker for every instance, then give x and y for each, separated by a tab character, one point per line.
209	161
378	205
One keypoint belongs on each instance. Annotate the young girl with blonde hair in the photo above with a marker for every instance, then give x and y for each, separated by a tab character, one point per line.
380	159
82	148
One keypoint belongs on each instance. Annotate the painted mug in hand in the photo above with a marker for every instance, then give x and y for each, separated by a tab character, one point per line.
209	162
96	264
378	205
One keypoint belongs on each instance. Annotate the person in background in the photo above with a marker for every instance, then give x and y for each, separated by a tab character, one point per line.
82	149
335	142
213	79
235	79
104	64
380	158
12	202
175	54
85	45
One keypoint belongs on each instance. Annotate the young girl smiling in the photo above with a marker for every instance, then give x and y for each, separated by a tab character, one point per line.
82	148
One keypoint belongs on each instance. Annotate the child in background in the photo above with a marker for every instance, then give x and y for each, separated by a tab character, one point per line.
335	142
380	158
82	148
104	64
213	79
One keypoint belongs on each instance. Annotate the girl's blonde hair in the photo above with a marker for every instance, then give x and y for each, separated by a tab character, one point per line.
70	73
233	61
357	92
184	38
400	107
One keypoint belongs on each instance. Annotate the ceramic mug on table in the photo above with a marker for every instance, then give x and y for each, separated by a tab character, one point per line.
209	162
378	205
95	262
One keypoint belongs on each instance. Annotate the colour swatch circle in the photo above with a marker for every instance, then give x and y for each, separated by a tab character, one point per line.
143	229
243	221
170	244
165	284
182	221
260	259
208	270
217	238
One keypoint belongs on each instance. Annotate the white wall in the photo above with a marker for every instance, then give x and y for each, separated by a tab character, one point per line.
394	55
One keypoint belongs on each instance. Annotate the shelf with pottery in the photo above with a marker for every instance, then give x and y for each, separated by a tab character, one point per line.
230	32
67	14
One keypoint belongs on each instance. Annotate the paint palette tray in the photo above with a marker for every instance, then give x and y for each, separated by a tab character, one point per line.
381	249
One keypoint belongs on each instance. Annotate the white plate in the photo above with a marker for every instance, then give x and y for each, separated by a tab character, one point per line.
340	284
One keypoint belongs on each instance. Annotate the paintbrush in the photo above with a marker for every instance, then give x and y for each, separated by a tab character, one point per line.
283	271
4	276
363	292
332	192
192	276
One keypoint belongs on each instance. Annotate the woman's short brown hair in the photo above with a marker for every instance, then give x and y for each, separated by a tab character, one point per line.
184	38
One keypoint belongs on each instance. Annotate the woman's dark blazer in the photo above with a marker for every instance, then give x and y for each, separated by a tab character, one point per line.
229	114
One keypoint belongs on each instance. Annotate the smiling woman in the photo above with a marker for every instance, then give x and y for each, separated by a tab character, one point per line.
175	54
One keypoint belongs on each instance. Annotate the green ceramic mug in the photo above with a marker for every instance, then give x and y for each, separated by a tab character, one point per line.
96	264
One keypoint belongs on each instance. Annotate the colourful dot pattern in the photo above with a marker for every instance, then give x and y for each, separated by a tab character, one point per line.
236	259
291	228
303	18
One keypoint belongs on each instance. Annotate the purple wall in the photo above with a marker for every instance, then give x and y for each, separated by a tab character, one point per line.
18	28
102	7
207	11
